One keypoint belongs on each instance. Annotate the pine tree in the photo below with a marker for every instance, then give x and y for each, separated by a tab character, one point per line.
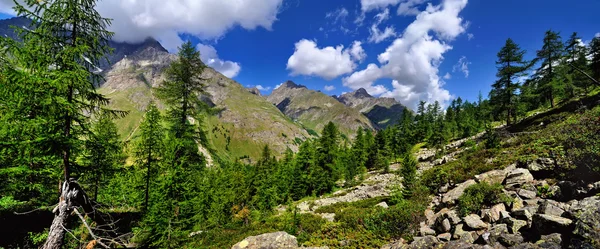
149	147
550	54
326	156
103	153
595	54
511	65
409	174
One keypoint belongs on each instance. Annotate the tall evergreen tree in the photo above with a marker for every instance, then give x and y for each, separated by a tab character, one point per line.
409	174
595	54
511	65
149	147
550	54
103	153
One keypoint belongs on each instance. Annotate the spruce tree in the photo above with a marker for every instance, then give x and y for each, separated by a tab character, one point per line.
595	55
511	65
409	174
550	54
148	148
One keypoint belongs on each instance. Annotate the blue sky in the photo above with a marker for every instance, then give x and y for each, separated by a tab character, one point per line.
266	42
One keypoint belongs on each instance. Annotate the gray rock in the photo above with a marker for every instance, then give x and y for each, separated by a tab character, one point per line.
531	202
445	226
267	241
586	227
514	225
547	224
444	237
453	217
517	178
401	244
382	204
527	194
504	215
492	177
426	230
551	241
516	204
510	239
460	233
453	195
457	244
494	213
328	216
474	222
523	214
550	207
425	242
430	217
541	166
491	236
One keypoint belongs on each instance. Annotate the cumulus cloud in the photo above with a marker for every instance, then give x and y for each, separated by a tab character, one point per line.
447	76
261	88
328	62
329	88
597	35
412	60
406	8
470	36
134	21
357	52
376	35
209	56
368	5
462	65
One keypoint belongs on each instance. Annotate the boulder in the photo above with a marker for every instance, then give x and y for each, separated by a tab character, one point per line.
459	233
526	194
541	168
445	226
551	241
586	228
514	225
444	237
522	214
517	178
267	241
492	177
453	217
509	240
453	195
517	204
494	213
531	202
426	230
328	216
564	191
551	207
425	242
382	204
457	244
430	217
491	236
547	224
474	222
504	215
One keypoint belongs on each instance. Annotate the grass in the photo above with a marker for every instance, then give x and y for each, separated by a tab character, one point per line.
338	207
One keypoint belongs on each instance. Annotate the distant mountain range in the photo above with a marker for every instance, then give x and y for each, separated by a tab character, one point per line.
247	120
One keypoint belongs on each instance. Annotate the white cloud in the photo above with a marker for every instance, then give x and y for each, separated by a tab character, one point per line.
462	65
261	88
209	56
328	62
597	35
357	52
413	59
135	20
409	8
368	5
338	15
470	36
377	35
278	85
447	76
329	88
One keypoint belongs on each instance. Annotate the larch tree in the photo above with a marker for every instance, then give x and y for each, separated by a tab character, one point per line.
511	65
149	147
550	54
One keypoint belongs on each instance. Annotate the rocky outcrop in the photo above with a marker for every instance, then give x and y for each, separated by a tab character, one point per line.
381	111
279	240
452	196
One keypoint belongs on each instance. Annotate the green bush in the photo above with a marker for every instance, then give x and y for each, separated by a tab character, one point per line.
479	196
492	138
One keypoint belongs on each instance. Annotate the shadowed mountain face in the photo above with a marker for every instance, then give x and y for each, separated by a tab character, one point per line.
314	109
381	111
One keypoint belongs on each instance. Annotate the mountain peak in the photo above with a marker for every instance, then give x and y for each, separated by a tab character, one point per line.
291	84
362	93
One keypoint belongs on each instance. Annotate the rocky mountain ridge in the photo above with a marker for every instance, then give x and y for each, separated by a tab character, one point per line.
381	111
315	109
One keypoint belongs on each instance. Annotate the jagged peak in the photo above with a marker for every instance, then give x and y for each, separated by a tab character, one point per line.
362	93
291	84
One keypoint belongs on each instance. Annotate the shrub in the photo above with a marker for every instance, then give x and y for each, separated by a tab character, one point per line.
479	196
492	138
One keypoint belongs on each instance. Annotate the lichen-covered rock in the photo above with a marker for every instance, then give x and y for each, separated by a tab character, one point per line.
268	241
517	178
426	230
547	224
453	195
527	194
509	240
492	177
382	204
551	207
550	241
444	237
514	225
424	242
457	244
516	204
453	217
493	215
491	236
474	222
523	214
587	224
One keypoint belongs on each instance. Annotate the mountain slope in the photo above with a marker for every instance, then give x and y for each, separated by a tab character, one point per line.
381	111
246	122
315	109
